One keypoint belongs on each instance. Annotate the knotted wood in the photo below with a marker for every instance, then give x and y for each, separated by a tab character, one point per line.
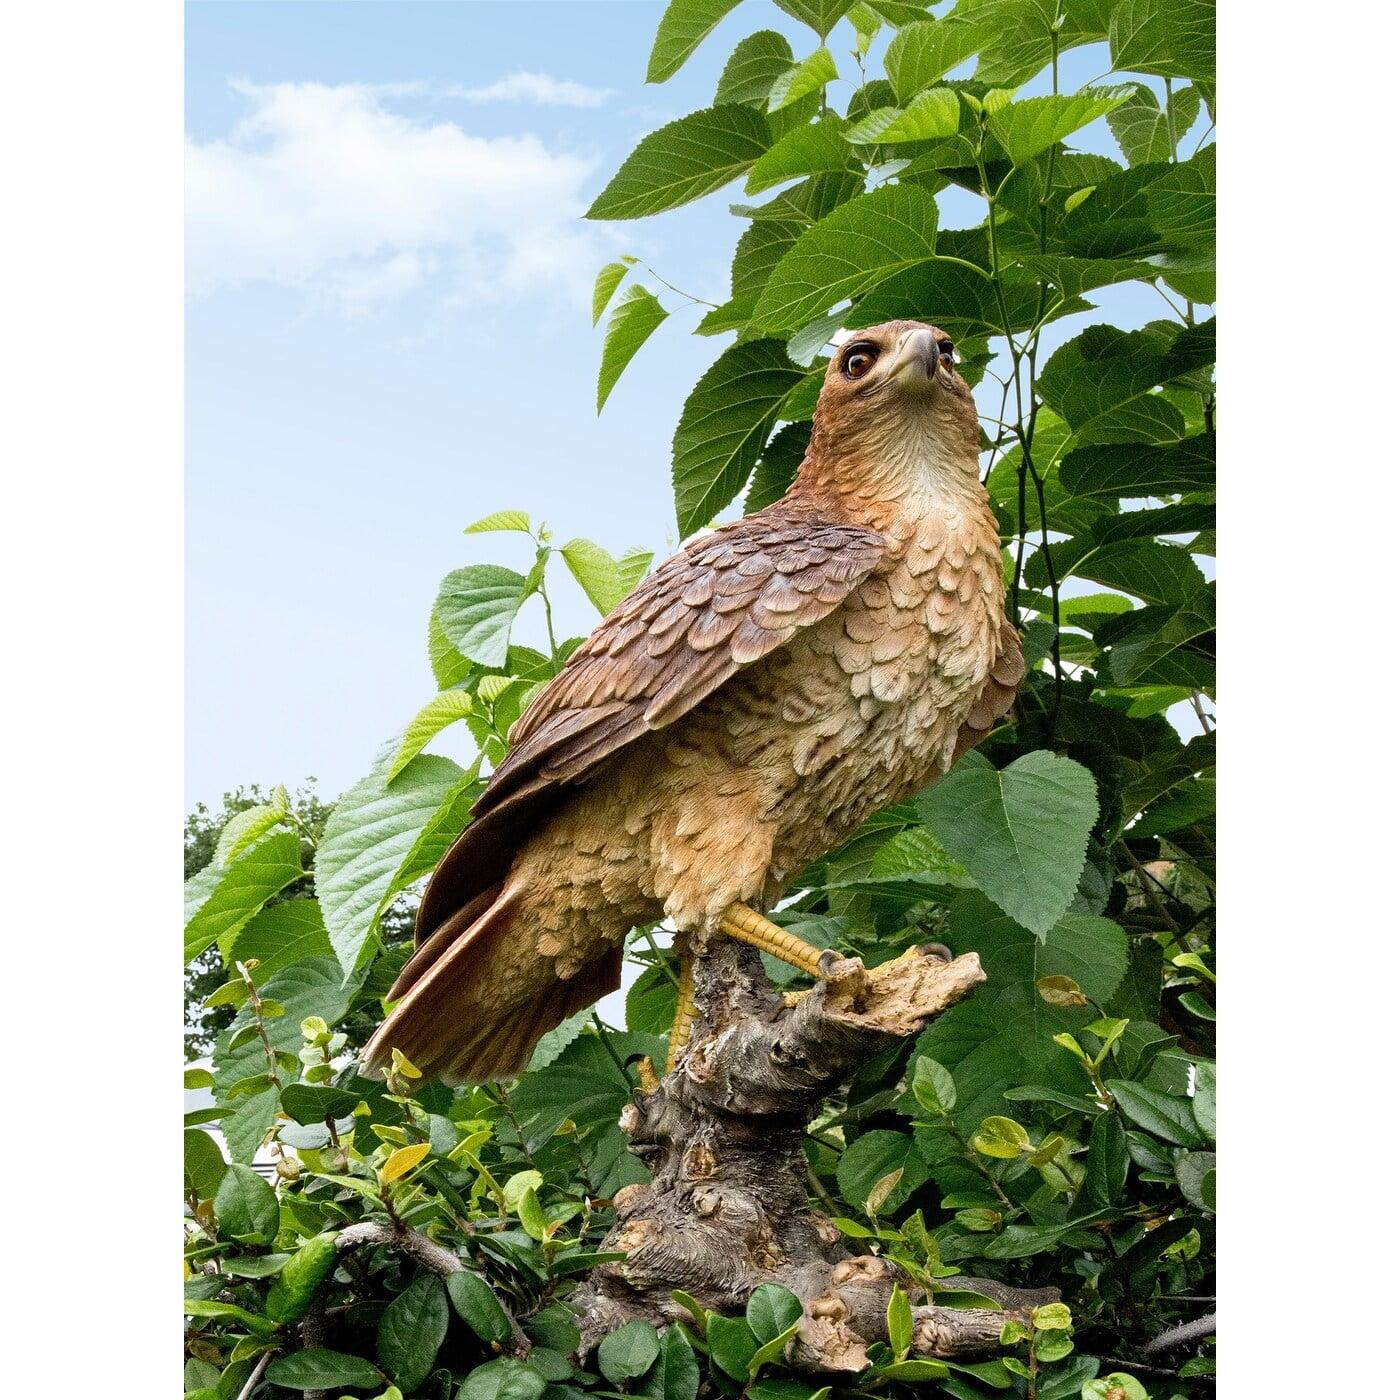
727	1210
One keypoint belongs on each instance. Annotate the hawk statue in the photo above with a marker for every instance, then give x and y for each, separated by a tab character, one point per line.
742	711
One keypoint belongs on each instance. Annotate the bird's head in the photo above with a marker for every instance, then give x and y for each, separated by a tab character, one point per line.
893	403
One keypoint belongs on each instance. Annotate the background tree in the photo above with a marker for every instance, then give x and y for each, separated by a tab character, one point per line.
1053	1130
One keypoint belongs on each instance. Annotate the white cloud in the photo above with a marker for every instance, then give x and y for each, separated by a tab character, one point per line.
533	87
326	188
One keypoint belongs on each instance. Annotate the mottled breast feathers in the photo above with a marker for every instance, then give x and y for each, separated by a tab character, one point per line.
722	603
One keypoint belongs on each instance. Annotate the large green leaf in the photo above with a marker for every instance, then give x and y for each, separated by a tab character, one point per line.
476	608
1133	470
924	52
245	1125
1171	38
634	318
1021	833
777	467
628	1352
684	160
724	425
411	1331
753	68
851	250
683	27
1027	128
236	894
805	150
674	1375
370	832
1101	368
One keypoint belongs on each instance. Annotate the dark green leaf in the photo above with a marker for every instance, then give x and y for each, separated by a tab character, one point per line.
316	1368
627	1353
771	1310
411	1331
478	1306
1163	1115
683	27
230	898
1106	1166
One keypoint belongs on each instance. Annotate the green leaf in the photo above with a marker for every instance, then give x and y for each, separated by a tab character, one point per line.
1203	1100
1020	833
771	1310
241	890
442	710
683	161
606	581
246	1207
876	1155
805	150
1138	471
820	15
732	1344
1196	1173
627	1353
478	1306
924	52
313	1103
863	242
811	75
476	608
411	1330
246	1126
1163	1115
1027	128
1117	1385
317	1368
519	520
1171	38
683	28
1001	1137
245	829
204	1164
933	1086
503	1379
755	65
928	117
634	318
279	935
723	427
1144	131
229	1312
370	832
610	276
674	1374
1106	1166
899	1322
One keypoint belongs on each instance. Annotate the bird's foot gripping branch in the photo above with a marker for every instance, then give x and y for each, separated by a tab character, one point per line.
726	1211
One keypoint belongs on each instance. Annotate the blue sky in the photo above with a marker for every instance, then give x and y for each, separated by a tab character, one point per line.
388	336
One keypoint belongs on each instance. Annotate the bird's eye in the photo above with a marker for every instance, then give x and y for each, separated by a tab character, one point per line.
947	353
858	361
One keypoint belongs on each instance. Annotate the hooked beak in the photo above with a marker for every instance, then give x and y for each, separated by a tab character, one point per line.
916	358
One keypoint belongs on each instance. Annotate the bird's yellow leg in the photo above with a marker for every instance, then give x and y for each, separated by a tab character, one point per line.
749	926
685	1004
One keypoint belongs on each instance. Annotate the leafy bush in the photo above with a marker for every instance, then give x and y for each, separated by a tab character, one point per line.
1055	1128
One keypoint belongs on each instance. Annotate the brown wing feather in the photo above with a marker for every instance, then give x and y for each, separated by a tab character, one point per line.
997	695
723	602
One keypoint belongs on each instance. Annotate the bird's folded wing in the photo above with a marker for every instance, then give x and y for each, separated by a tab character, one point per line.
726	600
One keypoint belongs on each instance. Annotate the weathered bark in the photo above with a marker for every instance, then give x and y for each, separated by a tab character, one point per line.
726	1209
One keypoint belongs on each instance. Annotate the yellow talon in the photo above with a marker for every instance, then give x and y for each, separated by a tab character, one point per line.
749	926
685	1006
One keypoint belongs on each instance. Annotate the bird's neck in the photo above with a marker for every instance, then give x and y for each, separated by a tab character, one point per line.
883	479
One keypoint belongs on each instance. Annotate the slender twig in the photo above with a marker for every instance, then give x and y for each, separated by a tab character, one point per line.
251	1384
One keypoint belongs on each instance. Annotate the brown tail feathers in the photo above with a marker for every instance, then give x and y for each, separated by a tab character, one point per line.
465	1014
